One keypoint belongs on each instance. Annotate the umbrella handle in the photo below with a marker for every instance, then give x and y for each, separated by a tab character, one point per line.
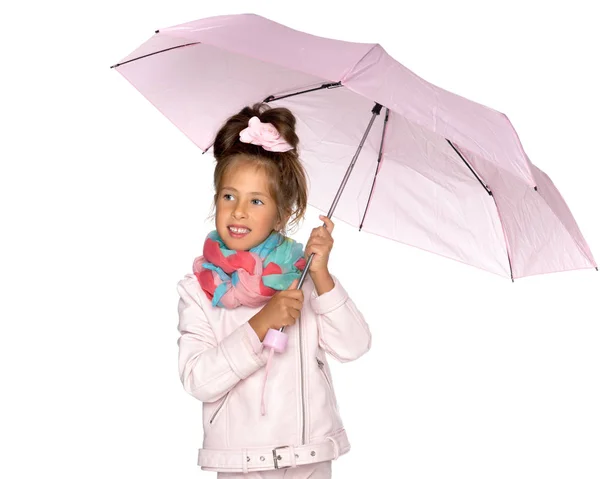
277	339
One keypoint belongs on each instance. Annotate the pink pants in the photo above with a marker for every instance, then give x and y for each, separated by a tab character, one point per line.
319	470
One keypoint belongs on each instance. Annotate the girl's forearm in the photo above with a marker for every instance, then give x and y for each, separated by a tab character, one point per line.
323	281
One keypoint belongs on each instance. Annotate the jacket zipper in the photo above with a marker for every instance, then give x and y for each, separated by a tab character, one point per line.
219	408
302	381
321	366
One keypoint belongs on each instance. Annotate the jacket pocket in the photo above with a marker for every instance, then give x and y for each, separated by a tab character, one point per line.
332	397
219	408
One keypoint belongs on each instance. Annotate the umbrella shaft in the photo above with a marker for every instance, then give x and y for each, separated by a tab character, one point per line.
376	110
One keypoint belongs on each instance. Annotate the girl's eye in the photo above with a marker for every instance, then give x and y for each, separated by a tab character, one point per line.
255	199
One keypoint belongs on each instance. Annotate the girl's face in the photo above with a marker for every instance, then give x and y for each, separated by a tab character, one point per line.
244	201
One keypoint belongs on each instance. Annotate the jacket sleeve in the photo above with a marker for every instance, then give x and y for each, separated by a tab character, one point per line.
209	369
343	331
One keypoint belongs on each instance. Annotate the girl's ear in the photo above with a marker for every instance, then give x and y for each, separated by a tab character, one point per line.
284	222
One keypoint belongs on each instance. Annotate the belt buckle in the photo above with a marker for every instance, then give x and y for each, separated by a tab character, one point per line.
276	458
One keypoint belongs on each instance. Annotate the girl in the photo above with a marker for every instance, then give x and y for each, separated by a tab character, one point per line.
243	285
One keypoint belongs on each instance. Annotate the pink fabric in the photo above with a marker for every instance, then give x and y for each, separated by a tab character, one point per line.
265	134
436	202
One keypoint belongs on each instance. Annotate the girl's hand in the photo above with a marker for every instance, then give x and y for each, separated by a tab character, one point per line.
320	243
283	309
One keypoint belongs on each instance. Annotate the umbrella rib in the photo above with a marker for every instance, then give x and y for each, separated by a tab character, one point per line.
495	204
154	53
505	239
387	114
375	111
324	85
472	171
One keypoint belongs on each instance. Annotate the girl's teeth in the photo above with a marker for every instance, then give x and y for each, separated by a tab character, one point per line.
235	230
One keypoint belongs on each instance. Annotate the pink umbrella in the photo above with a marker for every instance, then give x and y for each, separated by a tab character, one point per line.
436	171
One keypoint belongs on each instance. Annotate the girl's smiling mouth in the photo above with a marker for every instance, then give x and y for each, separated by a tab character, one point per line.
238	232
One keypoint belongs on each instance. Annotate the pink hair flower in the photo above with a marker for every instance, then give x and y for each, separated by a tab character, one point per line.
265	134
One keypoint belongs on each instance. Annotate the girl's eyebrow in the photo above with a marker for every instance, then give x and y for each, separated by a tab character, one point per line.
252	192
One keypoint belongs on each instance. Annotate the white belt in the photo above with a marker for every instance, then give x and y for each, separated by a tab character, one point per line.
280	457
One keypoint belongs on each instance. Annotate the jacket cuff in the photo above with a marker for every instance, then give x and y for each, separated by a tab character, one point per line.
330	300
239	351
257	345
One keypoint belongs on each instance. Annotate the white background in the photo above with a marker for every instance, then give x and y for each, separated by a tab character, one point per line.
103	209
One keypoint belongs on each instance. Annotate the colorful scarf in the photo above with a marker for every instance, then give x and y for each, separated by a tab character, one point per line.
233	278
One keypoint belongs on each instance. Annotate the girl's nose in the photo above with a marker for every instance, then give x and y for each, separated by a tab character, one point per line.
239	212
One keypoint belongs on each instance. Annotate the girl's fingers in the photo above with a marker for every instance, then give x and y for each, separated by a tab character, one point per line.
328	222
317	248
319	242
320	232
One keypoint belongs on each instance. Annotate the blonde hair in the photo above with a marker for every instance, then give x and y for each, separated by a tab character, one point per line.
286	176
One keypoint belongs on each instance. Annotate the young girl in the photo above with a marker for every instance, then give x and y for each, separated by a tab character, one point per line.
281	420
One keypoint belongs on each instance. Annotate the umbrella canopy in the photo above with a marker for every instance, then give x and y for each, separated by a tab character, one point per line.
436	171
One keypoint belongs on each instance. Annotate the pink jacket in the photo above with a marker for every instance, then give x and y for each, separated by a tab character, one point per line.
221	363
